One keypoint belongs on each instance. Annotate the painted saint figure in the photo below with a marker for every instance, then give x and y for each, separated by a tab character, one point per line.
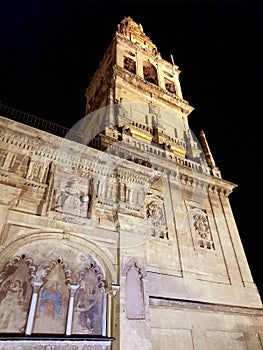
13	314
50	302
86	305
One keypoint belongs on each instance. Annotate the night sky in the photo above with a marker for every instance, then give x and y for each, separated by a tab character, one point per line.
51	49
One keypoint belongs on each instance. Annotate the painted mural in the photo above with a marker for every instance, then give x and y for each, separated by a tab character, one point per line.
45	292
52	305
87	318
15	295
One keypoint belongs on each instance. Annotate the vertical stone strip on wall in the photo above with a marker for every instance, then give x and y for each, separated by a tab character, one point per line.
36	286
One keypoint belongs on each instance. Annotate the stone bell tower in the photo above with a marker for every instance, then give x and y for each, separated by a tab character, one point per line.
120	235
184	279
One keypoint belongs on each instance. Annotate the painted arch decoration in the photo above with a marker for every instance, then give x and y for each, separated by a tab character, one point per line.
61	295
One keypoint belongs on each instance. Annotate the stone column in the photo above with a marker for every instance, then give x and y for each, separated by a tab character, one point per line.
104	315
72	289
32	311
109	310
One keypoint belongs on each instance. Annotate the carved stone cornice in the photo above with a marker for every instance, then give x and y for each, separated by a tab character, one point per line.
25	184
143	85
204	182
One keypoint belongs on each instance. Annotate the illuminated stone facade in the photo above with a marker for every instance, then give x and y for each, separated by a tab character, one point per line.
125	238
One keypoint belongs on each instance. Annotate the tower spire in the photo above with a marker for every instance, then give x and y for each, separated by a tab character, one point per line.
208	155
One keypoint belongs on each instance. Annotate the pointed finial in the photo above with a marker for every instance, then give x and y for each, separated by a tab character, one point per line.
172	59
208	155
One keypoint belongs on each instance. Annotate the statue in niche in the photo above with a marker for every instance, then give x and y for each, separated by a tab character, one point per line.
155	110
201	225
155	215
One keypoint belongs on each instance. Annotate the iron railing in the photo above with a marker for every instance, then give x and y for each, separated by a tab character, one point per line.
38	123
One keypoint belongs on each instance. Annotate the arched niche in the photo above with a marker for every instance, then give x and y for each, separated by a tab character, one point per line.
88	302
134	273
150	72
42	280
53	300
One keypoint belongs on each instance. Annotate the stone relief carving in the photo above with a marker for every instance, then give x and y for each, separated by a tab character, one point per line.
120	109
202	228
201	225
67	197
38	171
156	218
156	115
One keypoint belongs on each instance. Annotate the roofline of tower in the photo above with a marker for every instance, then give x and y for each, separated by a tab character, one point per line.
156	56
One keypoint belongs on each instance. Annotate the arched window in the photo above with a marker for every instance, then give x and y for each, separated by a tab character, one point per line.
150	73
129	64
170	86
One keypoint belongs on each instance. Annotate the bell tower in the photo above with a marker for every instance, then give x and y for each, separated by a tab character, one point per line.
183	276
123	237
134	83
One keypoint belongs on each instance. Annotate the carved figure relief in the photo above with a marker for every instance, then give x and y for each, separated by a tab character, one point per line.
156	115
68	199
202	229
154	109
120	109
155	215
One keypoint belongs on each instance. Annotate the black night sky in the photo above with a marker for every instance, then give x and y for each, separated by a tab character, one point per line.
51	49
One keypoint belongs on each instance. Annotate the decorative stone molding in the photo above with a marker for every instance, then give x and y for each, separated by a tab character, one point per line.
9	267
128	262
147	87
64	344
